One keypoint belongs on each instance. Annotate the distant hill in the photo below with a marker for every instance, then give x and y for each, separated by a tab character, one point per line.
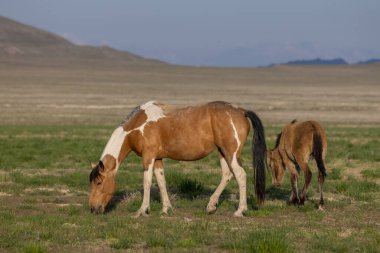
20	41
318	61
370	61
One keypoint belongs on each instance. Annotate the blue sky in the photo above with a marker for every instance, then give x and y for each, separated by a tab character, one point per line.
214	32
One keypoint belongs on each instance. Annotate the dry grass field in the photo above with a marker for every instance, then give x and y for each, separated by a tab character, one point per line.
93	92
55	118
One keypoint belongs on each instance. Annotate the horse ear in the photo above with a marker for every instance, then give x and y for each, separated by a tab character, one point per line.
93	165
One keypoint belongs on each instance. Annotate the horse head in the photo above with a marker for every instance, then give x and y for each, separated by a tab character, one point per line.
102	184
277	166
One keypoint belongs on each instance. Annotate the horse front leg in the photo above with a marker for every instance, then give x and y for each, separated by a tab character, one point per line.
226	177
148	174
159	173
293	199
308	175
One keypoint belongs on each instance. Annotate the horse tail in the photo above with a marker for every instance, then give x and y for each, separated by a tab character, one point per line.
259	150
318	153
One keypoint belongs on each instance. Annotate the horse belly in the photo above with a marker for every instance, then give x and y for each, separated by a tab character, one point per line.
183	140
188	148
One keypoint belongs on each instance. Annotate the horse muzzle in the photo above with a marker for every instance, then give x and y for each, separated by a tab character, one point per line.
97	210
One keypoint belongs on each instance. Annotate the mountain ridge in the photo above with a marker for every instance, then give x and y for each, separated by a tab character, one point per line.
22	41
26	42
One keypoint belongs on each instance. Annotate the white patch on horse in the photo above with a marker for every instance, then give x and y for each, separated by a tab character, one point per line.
115	143
153	113
236	137
235	162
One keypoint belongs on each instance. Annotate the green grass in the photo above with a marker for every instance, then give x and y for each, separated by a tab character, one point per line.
44	184
261	242
33	248
184	184
359	190
371	173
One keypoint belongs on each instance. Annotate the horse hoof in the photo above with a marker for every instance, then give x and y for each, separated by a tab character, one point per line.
320	208
141	212
165	211
211	209
239	214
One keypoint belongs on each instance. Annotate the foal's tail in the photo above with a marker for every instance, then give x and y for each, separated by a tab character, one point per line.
318	153
259	151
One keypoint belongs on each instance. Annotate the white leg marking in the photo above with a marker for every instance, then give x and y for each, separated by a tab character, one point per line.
159	173
241	178
144	209
226	177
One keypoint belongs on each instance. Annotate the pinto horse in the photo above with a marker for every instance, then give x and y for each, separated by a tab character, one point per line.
156	131
295	145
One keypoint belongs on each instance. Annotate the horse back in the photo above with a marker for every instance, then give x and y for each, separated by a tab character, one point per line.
299	138
189	133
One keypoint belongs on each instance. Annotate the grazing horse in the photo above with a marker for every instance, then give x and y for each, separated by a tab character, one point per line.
295	145
156	131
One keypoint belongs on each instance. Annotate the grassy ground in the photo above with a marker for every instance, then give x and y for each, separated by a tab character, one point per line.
44	192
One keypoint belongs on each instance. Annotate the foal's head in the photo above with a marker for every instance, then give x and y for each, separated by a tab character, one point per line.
276	165
102	186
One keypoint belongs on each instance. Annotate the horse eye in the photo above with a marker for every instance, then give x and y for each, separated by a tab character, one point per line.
99	183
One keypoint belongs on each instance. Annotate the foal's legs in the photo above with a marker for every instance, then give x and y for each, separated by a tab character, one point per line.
321	179
304	166
226	177
148	174
159	173
294	199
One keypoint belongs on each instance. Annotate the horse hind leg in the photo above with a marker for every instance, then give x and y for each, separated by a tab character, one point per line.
159	173
226	177
319	155
321	179
241	178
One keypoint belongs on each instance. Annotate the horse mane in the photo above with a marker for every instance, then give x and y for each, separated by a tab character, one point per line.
131	115
95	173
278	140
280	134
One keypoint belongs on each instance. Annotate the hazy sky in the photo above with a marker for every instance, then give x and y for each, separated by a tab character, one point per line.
214	32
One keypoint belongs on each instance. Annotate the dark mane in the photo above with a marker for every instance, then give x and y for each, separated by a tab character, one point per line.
278	140
95	173
131	115
280	134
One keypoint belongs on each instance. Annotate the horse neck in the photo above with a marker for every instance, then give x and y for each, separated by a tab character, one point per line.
117	149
